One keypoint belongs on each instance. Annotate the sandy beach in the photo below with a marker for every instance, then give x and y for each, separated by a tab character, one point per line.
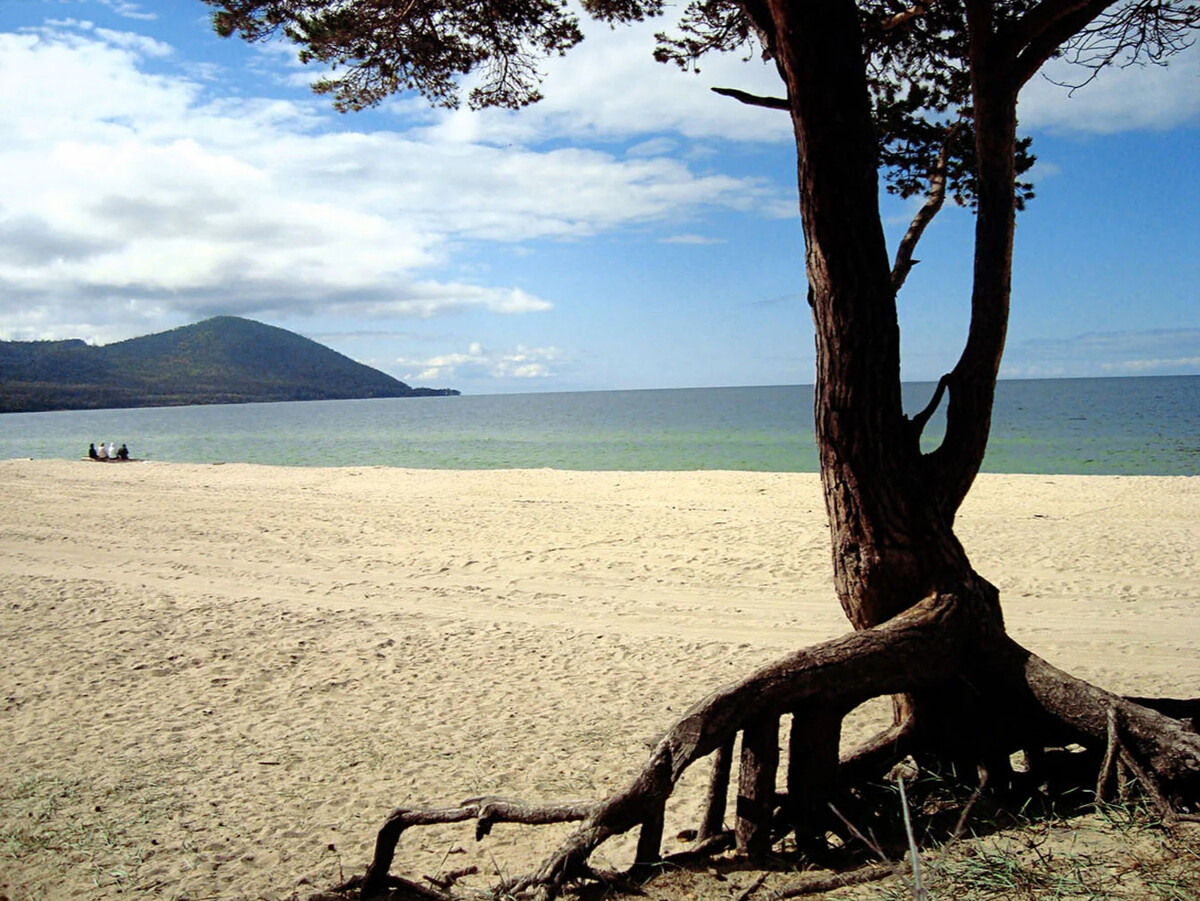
217	680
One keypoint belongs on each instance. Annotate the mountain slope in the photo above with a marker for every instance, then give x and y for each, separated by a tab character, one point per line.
223	360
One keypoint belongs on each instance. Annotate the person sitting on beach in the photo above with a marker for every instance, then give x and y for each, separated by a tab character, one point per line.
92	452
123	453
101	453
112	450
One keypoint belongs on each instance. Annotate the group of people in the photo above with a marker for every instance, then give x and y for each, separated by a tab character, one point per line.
111	452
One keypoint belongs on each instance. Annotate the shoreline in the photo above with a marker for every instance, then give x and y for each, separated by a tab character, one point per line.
484	470
1090	426
219	678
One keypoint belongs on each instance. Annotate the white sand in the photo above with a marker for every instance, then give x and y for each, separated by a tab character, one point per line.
217	680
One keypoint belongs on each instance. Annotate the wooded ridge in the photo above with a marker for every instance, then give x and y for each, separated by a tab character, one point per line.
223	360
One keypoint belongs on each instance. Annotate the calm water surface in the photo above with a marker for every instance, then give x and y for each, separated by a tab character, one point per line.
1133	426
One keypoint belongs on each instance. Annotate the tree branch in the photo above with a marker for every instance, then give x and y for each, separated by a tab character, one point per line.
918	421
972	382
1044	30
1040	19
933	203
903	17
753	99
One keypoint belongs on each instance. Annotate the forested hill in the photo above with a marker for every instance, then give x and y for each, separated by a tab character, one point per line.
225	360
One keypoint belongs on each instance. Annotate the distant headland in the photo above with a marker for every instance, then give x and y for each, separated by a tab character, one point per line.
223	360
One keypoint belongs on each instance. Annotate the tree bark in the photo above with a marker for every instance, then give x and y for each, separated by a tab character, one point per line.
892	535
712	820
972	383
756	786
812	770
859	415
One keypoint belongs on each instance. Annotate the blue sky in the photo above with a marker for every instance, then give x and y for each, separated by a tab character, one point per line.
632	231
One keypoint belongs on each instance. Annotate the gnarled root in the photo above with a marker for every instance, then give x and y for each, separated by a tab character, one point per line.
485	811
1160	751
926	651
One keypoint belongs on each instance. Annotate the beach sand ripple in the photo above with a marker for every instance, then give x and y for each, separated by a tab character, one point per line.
217	680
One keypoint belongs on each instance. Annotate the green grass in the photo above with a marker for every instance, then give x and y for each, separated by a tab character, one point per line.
1116	852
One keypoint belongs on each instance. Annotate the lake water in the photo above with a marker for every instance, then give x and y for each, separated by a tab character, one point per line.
1132	426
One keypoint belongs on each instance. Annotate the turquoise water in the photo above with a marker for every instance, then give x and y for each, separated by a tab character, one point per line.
1134	426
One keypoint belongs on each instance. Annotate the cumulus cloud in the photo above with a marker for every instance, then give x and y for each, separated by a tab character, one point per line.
142	189
587	98
477	362
126	187
581	106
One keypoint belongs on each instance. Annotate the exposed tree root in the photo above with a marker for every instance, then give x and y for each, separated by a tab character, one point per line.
935	649
485	811
827	882
874	757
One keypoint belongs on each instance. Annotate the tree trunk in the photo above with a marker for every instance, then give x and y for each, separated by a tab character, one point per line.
891	509
892	541
972	384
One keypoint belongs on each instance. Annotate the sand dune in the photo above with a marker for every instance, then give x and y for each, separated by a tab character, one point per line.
217	680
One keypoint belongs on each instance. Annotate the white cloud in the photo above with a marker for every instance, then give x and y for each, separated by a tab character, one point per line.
138	43
125	191
424	300
692	239
124	8
1120	99
588	95
477	362
128	9
653	147
526	363
1154	351
1153	366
